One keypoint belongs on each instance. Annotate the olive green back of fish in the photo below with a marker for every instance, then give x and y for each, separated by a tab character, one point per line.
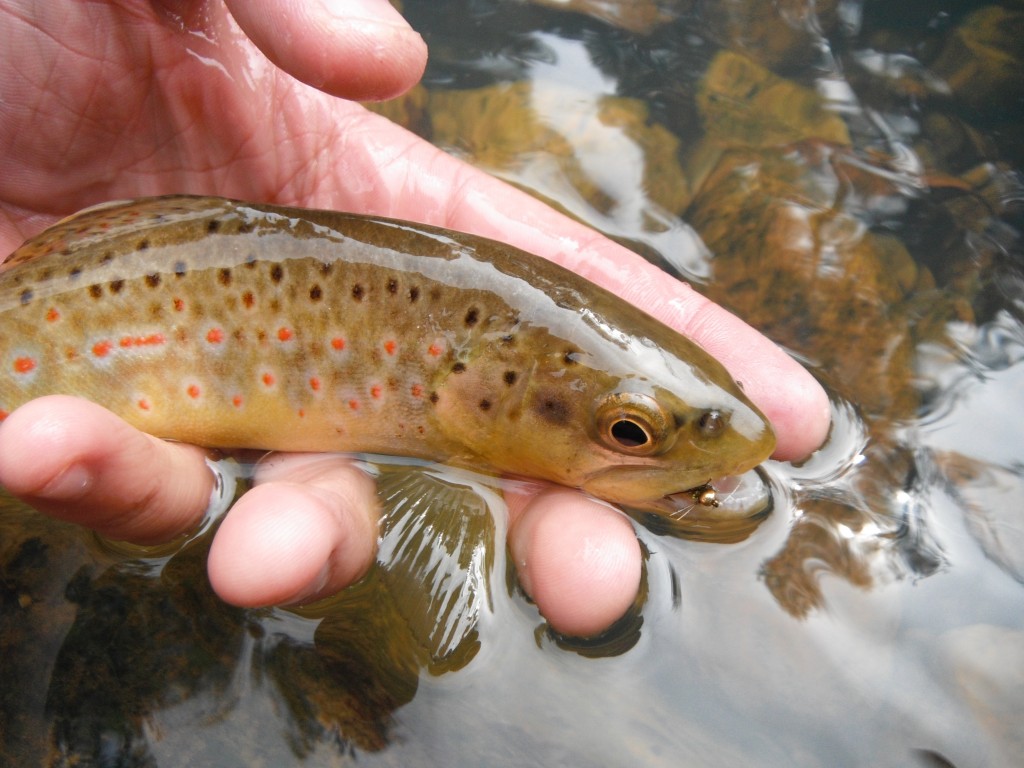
239	325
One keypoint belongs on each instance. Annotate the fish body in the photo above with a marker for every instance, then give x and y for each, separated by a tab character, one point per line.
242	325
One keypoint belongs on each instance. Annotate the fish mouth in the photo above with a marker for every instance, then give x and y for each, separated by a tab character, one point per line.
726	510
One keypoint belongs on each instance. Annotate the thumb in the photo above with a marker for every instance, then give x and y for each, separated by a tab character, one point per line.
356	49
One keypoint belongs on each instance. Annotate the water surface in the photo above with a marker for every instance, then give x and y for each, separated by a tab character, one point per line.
846	179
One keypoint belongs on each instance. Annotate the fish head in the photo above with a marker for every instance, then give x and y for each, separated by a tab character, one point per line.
661	423
649	442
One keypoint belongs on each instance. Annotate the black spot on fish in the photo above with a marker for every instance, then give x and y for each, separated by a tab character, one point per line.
180	269
433	397
75	273
325	268
95	291
153	280
107	258
569	358
508	339
510	377
472	317
553	409
26	296
276	273
392	286
315	293
116	286
414	294
143	245
224	277
357	292
458	368
212	226
485	404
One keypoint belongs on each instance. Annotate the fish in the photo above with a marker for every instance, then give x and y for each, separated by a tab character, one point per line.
236	325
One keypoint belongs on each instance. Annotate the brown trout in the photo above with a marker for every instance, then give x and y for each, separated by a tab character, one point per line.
241	325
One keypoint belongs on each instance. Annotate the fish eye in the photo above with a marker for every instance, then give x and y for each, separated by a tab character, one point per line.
629	434
632	423
711	423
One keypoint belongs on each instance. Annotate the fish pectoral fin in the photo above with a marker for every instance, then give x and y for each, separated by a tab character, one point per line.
436	557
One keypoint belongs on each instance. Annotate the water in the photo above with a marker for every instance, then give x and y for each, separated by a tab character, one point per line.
866	215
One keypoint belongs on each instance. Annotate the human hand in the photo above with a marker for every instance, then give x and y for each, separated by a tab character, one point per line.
114	100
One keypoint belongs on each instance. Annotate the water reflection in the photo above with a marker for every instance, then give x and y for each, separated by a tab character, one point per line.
844	175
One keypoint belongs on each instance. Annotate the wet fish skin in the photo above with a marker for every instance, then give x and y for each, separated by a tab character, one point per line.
243	325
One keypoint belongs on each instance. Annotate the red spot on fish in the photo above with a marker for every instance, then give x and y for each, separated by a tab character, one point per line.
302	413
268	379
417	390
3	414
248	300
24	364
435	350
337	343
179	305
102	348
237	401
144	404
153	339
314	384
193	391
390	346
52	315
284	334
353	404
376	391
215	335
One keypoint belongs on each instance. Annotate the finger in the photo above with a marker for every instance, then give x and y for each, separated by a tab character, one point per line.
307	530
423	179
577	558
356	49
73	460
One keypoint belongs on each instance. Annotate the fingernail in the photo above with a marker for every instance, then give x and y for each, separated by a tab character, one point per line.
314	590
376	11
73	483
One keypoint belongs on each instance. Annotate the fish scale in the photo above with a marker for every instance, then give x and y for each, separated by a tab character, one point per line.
239	325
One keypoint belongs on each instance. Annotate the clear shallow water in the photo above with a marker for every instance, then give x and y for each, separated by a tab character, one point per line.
875	618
